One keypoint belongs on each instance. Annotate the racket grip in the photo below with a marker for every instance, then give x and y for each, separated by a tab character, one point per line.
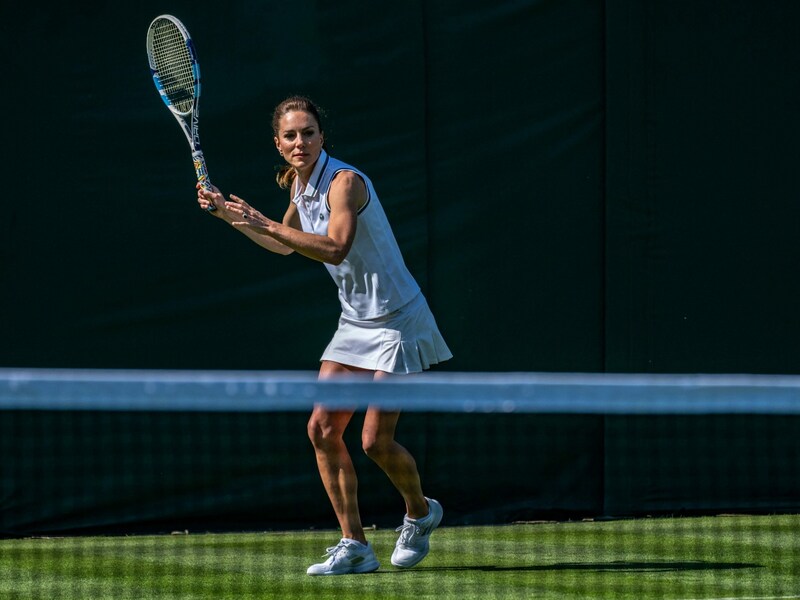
202	172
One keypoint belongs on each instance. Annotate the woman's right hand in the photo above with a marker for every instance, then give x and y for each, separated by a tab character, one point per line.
211	199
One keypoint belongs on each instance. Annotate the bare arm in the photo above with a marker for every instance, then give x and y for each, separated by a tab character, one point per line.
206	198
347	194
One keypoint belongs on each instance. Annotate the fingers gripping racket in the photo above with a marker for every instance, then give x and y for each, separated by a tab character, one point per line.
176	73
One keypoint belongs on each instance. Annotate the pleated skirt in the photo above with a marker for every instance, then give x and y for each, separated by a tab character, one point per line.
405	341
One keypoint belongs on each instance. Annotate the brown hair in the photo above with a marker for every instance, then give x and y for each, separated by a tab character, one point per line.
287	174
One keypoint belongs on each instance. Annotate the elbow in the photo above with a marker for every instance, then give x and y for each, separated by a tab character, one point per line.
338	254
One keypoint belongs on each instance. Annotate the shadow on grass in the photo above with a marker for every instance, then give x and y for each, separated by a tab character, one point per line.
600	567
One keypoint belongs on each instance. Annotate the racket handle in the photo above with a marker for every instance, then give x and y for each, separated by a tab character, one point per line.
202	172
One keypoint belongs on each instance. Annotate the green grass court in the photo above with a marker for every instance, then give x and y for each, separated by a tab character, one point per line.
725	557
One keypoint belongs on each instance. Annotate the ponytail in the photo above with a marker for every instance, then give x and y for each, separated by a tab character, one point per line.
285	177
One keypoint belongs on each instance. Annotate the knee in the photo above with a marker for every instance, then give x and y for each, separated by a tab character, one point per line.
323	437
375	447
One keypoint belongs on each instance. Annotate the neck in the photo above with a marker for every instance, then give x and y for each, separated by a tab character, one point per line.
305	174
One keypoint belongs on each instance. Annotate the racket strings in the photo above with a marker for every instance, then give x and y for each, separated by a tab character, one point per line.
174	65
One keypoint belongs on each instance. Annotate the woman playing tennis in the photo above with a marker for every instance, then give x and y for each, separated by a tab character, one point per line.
335	217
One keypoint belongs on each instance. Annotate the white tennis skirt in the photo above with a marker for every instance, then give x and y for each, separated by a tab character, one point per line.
405	341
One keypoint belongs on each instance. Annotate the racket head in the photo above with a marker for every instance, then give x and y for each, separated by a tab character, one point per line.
173	64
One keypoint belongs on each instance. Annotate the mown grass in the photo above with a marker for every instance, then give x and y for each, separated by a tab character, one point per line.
742	557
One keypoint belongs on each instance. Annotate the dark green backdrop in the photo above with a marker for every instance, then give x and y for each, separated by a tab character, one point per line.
577	185
701	186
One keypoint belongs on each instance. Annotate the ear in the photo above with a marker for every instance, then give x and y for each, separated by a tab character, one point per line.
277	144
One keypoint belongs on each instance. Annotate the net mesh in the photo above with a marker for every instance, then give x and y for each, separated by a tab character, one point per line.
173	64
133	484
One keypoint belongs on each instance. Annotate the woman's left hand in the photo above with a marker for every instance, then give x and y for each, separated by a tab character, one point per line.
250	217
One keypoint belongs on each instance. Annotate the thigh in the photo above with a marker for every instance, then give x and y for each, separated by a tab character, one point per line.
324	420
329	369
379	426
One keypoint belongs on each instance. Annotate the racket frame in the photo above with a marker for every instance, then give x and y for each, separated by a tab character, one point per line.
188	120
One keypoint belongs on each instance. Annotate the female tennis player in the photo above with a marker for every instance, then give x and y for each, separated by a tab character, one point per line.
335	217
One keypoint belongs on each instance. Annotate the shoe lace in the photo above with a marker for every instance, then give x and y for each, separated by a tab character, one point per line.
334	550
408	531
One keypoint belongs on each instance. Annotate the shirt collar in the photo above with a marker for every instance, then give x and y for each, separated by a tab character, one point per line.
312	189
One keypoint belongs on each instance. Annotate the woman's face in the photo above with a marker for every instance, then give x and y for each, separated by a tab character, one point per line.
299	140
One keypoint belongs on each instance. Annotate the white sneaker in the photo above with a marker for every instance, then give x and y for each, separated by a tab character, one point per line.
348	556
415	534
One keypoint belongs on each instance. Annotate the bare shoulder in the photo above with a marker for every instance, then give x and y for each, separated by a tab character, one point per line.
349	187
347	180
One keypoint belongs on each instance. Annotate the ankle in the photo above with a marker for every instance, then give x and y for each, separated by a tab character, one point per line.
419	510
361	539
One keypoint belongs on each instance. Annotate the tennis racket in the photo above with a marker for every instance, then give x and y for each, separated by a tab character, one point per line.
176	73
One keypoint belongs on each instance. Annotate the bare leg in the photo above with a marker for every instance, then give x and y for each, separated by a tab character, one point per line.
325	429
377	439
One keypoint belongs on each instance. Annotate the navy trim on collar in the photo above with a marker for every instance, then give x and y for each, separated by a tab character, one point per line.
316	176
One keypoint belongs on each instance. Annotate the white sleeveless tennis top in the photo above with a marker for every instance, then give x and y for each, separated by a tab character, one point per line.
373	280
